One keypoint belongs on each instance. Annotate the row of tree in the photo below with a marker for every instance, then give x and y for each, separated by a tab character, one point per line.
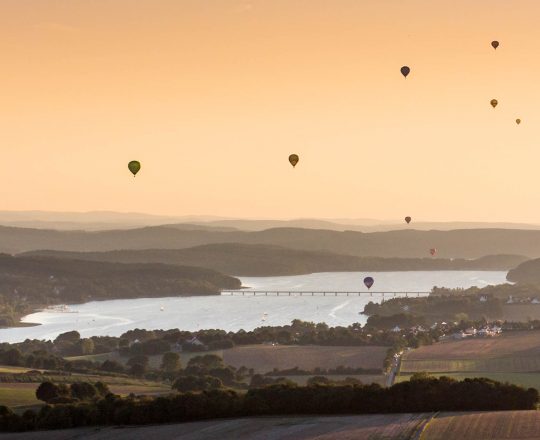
421	394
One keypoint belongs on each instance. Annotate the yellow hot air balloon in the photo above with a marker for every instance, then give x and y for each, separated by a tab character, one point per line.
293	159
494	103
518	121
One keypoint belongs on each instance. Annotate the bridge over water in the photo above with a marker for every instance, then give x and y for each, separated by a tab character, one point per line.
388	294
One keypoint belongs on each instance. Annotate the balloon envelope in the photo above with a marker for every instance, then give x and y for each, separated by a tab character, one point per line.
433	251
293	159
408	219
518	121
495	44
368	281
134	166
405	70
494	103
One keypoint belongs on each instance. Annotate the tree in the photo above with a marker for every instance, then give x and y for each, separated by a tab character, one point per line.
206	362
138	369
102	388
318	380
13	357
112	366
70	337
83	390
48	391
170	362
139	359
186	384
86	346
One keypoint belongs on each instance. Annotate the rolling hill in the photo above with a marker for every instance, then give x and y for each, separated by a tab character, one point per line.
526	273
462	243
266	260
44	280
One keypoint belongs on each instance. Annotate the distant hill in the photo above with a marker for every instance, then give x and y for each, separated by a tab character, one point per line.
109	220
264	260
48	280
463	243
363	225
97	220
526	273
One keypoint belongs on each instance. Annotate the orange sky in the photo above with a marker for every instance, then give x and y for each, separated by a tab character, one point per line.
213	95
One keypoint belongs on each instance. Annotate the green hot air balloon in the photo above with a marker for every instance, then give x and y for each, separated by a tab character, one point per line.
134	166
293	159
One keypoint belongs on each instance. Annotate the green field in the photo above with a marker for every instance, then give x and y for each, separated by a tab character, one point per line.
18	394
24	394
494	365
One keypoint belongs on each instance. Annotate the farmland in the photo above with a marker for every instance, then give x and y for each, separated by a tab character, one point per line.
19	390
484	426
521	312
503	425
264	358
512	357
388	427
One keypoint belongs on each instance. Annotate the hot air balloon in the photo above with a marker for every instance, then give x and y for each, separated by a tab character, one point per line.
433	251
518	121
405	70
368	281
134	166
293	159
495	44
494	103
408	219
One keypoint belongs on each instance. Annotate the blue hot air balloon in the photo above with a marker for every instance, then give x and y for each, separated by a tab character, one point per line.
368	281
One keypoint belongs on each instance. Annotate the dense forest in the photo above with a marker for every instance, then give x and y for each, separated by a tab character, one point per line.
266	260
28	282
421	394
526	273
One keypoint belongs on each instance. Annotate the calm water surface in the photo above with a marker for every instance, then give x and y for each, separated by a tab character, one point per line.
115	317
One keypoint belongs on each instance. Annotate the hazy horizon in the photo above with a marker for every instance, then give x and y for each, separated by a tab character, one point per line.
212	97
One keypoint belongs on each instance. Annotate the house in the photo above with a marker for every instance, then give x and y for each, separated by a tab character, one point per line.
510	300
483	299
396	329
460	335
194	341
471	331
535	301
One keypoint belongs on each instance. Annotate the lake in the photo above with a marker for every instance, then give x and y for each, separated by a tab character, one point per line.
99	318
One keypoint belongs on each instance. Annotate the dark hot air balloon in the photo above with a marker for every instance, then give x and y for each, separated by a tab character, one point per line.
405	70
134	166
368	281
408	219
494	103
518	121
293	159
495	44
